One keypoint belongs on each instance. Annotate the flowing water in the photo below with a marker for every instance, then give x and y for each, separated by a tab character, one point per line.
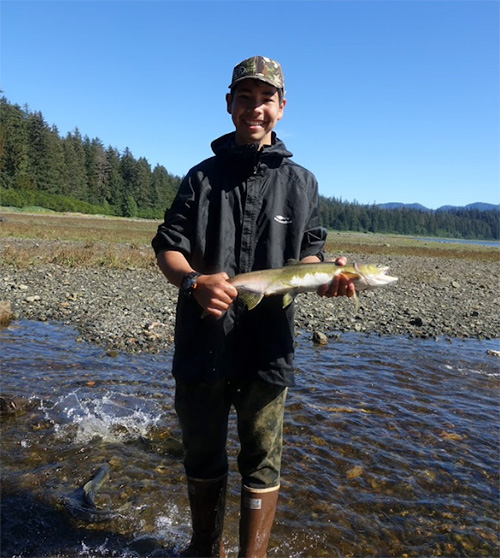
391	449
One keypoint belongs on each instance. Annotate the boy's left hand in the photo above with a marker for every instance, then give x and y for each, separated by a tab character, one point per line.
340	286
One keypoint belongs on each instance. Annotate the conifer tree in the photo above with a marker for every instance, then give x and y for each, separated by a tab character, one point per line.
95	165
75	180
39	145
114	179
13	146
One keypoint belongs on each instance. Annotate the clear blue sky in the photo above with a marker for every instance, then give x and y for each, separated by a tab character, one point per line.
387	100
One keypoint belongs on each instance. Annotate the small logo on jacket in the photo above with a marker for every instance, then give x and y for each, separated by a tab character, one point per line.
282	220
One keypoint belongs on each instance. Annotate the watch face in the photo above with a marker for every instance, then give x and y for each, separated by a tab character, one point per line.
189	283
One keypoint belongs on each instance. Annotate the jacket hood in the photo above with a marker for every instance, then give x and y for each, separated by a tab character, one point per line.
226	147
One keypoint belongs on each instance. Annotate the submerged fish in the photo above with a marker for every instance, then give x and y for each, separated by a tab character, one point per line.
300	277
82	501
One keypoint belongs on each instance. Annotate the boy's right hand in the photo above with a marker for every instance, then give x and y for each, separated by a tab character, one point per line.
214	293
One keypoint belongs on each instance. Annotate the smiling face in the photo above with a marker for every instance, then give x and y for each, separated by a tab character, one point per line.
255	108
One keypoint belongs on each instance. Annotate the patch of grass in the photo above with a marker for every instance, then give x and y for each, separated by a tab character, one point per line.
35	209
114	256
77	227
76	240
339	243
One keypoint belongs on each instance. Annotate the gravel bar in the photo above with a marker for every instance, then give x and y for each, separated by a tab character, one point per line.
134	310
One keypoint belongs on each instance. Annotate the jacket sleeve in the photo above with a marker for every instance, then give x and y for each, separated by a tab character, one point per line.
176	231
313	241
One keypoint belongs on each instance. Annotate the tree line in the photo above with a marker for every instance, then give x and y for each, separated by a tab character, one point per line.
452	223
39	167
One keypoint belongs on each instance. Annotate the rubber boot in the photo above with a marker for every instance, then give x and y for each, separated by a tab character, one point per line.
207	499
258	508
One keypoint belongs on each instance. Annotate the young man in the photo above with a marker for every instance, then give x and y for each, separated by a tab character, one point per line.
249	207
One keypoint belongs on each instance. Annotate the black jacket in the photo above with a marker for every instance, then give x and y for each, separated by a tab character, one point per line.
240	211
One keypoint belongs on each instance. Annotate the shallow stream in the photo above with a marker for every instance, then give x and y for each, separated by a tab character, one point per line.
391	449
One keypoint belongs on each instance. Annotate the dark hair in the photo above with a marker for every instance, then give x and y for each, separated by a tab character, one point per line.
281	93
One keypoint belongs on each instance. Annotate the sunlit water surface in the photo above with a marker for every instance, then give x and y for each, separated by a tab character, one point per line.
391	449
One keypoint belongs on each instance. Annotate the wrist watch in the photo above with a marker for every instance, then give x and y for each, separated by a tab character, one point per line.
188	283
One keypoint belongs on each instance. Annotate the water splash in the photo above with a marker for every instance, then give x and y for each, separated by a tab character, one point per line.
113	417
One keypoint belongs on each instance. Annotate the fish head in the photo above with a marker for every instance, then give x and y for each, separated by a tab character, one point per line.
372	276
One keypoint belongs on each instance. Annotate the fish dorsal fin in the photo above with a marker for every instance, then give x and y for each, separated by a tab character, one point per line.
250	298
292	261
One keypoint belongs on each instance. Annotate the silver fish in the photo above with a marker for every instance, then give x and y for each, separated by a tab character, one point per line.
81	502
299	277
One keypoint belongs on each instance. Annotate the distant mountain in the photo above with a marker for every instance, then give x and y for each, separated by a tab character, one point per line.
477	205
399	205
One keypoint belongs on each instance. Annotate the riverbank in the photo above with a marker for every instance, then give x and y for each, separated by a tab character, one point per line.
77	270
134	309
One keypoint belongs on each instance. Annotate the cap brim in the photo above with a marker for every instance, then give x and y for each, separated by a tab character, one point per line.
264	79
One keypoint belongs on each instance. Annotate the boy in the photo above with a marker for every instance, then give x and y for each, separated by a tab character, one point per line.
249	207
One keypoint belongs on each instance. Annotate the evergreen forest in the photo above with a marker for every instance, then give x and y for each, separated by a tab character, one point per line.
40	168
463	223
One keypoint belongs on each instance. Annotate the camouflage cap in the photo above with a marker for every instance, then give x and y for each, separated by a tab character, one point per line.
261	68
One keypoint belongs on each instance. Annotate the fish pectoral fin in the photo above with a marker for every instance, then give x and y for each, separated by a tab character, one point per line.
250	298
352	276
288	298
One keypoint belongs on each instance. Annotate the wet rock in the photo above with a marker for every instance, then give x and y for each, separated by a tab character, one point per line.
11	405
6	315
319	338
